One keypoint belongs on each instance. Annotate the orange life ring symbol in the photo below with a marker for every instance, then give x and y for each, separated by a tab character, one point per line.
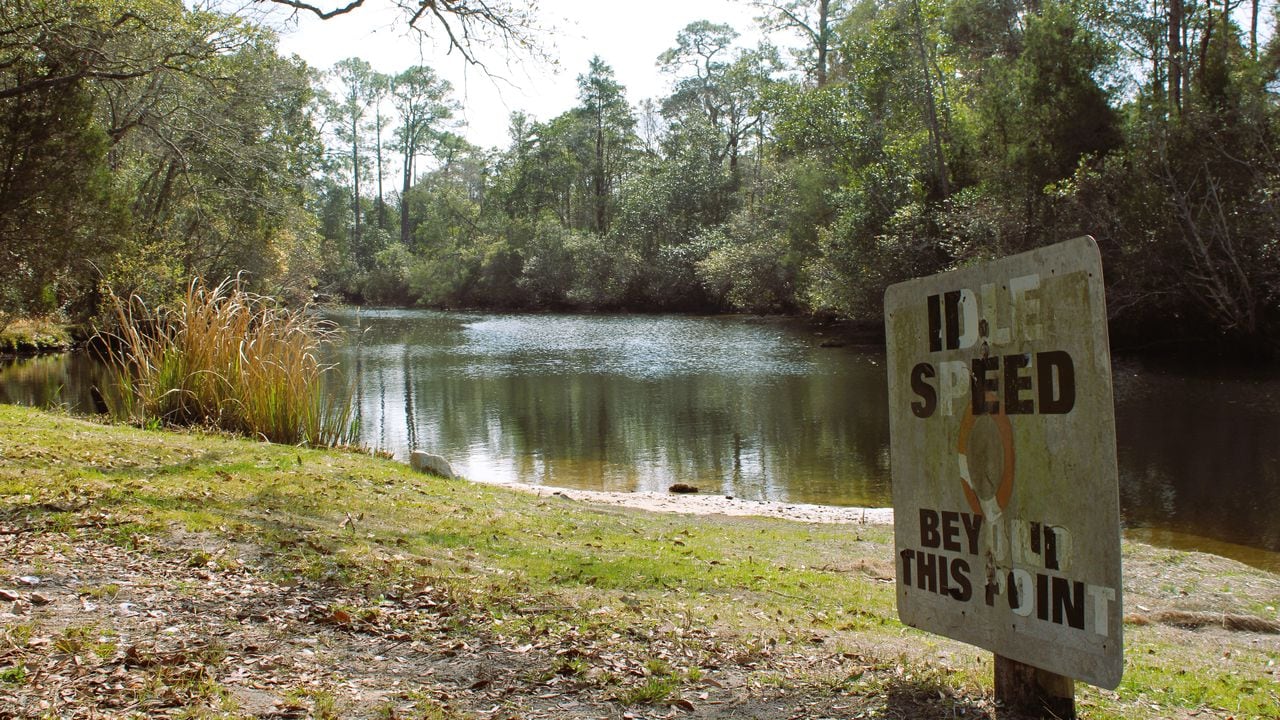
1005	491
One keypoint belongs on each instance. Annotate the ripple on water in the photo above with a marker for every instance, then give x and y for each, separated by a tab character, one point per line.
638	348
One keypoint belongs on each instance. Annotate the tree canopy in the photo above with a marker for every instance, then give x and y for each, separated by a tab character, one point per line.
146	141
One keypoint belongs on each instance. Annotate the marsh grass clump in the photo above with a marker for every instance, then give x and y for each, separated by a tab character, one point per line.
230	359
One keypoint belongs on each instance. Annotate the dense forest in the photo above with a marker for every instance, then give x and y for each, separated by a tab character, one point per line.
146	142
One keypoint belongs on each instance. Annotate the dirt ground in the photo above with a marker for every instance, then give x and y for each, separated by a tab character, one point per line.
181	627
107	632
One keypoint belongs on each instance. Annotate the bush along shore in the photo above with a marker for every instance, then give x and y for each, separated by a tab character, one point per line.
33	336
150	573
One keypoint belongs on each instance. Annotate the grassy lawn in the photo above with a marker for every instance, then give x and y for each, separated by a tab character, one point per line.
197	575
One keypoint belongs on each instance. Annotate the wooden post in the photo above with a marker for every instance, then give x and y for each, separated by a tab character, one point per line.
1026	691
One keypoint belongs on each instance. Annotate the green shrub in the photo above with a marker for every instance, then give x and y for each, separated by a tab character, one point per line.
751	275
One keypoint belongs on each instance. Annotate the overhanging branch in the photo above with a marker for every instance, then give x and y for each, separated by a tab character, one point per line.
464	24
322	14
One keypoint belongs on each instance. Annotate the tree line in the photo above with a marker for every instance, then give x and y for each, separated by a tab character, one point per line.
872	141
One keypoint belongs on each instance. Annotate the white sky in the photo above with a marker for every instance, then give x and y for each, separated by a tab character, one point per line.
628	36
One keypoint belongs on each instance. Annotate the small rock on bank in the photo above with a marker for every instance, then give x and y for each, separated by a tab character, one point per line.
431	463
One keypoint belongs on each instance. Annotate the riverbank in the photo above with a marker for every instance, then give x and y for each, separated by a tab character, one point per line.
160	574
35	336
708	504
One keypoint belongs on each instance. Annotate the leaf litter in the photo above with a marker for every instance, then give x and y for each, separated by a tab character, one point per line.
171	629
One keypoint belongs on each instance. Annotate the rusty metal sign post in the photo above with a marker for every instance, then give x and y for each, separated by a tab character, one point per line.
1005	491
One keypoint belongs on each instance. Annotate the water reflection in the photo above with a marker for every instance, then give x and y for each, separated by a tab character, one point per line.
1200	454
69	380
750	408
745	407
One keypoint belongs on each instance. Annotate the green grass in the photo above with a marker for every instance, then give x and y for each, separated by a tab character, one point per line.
723	590
652	690
15	675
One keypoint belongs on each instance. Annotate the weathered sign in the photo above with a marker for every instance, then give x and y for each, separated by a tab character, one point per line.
1003	455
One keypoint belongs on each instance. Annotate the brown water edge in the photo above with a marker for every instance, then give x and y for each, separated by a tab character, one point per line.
1260	558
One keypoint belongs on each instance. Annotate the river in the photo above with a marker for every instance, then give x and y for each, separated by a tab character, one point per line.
749	407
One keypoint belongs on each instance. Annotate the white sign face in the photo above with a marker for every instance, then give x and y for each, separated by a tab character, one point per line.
1005	491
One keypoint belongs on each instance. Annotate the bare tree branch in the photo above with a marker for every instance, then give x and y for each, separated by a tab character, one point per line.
465	24
322	14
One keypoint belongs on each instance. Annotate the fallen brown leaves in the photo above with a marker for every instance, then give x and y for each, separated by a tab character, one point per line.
183	628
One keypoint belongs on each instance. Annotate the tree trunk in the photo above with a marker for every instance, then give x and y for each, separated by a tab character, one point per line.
1186	72
599	187
1157	60
407	181
1175	55
1253	29
824	40
355	188
382	205
931	108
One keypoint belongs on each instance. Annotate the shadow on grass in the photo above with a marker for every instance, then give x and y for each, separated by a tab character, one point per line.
186	485
928	700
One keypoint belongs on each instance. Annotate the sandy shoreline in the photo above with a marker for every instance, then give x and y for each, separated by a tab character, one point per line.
708	504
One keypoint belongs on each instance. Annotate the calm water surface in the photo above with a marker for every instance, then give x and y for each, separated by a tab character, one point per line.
743	406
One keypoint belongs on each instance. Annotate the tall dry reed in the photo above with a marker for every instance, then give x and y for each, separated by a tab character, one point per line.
230	359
